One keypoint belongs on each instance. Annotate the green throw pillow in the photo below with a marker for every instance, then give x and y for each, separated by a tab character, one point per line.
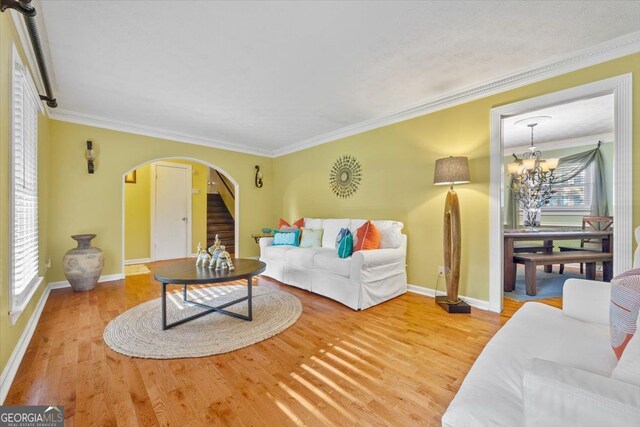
311	238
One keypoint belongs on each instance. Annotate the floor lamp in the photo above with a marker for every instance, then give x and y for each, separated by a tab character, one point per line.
450	171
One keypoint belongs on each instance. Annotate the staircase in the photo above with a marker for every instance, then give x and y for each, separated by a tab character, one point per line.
220	222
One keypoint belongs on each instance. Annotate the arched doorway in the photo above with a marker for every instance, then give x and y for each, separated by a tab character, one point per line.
138	199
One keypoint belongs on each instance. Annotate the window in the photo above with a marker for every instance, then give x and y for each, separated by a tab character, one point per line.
573	195
25	106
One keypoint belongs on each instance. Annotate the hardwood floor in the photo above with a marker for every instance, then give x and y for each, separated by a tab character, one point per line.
399	363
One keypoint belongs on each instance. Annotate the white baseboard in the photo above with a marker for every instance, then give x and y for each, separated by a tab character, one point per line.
136	261
473	302
105	278
10	370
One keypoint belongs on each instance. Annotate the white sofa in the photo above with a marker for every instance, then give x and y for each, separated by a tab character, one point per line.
360	281
550	367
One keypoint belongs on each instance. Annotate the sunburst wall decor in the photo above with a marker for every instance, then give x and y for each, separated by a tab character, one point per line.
345	176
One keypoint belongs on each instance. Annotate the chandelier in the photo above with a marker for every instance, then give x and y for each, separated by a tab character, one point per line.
532	177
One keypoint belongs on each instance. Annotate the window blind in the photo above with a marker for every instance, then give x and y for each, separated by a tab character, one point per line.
25	106
575	194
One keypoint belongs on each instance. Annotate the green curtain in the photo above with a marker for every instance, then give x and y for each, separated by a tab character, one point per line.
569	167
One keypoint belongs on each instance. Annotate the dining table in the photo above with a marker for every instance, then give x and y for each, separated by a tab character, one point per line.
547	236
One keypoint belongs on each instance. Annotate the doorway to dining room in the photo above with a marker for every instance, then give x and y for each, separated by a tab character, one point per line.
559	195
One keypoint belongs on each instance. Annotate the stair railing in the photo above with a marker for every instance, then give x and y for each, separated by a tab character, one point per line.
233	196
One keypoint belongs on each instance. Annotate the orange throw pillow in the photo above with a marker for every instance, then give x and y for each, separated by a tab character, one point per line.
367	237
299	223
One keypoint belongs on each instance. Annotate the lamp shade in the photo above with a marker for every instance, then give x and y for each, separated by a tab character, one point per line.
451	170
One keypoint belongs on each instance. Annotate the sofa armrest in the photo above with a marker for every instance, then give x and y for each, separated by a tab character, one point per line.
378	264
264	242
586	300
559	395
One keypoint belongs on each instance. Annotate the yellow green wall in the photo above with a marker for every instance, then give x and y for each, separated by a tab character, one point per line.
83	203
10	334
137	214
398	162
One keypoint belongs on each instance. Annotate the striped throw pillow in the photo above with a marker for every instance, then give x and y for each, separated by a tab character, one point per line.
625	303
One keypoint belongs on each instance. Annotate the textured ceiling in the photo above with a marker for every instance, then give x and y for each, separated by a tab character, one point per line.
577	119
265	75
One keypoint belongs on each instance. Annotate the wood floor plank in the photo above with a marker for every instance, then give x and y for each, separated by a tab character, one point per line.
399	363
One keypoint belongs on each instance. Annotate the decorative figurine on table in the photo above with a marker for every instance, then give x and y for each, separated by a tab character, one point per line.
220	258
215	250
224	261
202	256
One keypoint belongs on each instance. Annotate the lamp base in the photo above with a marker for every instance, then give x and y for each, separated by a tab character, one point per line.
458	308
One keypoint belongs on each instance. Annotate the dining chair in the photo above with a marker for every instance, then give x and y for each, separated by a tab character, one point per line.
596	223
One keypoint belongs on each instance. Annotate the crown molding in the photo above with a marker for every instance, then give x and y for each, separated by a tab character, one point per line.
581	141
592	55
102	122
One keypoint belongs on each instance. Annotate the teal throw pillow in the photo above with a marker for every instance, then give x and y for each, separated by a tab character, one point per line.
344	243
286	238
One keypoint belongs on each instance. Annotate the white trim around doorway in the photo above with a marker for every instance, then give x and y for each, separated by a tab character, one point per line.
236	192
621	88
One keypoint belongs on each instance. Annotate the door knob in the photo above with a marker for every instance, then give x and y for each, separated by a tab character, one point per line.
184	218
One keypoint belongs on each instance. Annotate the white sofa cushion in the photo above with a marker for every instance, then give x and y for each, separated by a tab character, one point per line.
314	223
559	395
390	232
587	300
301	257
331	229
276	252
628	368
330	261
491	394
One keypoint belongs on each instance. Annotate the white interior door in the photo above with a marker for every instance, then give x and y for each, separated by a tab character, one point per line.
172	211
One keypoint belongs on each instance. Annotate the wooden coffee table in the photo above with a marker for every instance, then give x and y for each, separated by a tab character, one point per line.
185	273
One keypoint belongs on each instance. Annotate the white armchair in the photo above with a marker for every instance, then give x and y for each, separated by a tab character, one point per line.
559	395
586	300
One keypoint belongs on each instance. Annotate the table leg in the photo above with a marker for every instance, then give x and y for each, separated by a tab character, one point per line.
250	291
607	244
607	271
184	292
164	306
530	277
548	268
591	270
509	267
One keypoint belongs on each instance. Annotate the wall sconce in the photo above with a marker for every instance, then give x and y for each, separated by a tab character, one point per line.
90	155
258	177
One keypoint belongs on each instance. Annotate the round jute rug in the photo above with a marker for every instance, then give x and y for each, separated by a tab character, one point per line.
138	332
